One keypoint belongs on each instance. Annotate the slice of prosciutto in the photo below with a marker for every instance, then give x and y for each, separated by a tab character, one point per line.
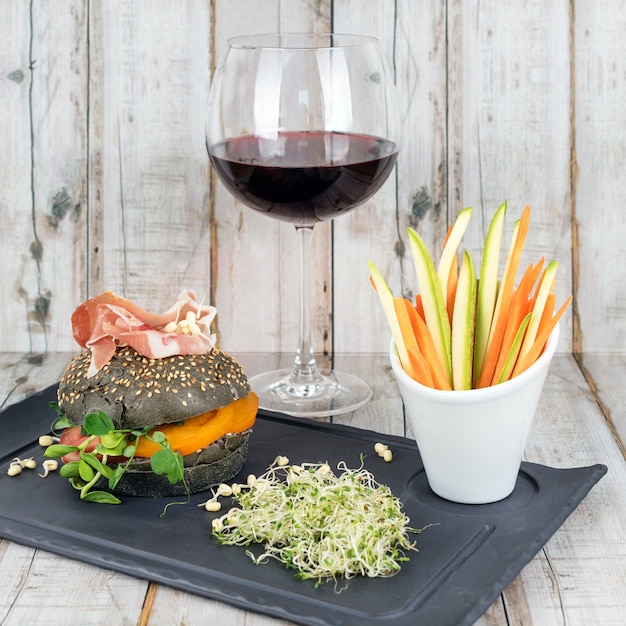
108	321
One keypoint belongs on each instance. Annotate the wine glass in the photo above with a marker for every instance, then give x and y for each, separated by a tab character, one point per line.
303	128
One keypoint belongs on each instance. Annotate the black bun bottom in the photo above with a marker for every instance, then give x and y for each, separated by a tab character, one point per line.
217	463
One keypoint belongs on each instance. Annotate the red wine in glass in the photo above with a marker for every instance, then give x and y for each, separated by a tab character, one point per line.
304	177
303	127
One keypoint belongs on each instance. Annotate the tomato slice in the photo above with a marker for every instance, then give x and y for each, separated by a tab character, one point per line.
73	437
191	435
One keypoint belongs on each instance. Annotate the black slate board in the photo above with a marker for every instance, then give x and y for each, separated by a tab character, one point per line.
467	555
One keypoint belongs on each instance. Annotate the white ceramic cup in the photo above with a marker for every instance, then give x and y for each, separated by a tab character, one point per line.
472	442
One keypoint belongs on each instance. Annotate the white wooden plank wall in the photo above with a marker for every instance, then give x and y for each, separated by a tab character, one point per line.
600	123
105	182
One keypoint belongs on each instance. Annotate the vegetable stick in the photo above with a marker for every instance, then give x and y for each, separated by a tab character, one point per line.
540	342
548	310
453	241
545	289
504	300
419	306
435	311
529	277
453	281
427	348
406	328
416	366
463	322
517	313
488	288
386	299
513	354
420	367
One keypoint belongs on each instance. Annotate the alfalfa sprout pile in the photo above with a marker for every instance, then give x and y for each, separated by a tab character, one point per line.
324	524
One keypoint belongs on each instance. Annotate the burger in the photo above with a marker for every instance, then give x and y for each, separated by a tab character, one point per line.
152	374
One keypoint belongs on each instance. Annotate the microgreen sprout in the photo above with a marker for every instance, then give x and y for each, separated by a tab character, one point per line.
61	422
89	468
323	524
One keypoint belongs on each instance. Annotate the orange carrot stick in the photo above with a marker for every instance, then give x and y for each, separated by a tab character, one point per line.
545	289
419	307
517	312
513	355
548	311
504	300
406	329
540	341
420	367
427	348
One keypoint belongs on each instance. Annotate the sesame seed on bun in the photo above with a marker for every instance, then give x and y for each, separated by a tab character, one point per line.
135	391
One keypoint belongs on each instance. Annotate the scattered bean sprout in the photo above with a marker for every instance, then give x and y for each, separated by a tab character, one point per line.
47	440
14	469
383	451
28	463
322	524
49	465
380	448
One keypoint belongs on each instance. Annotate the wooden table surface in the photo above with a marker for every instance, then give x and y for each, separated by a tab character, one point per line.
578	578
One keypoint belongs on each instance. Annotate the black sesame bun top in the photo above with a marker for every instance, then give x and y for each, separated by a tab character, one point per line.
136	391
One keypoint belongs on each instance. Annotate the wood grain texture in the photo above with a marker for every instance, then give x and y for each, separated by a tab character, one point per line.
105	182
509	127
44	156
600	122
369	231
104	596
18	277
412	38
149	72
605	375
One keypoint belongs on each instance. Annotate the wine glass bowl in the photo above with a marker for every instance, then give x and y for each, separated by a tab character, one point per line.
303	128
304	177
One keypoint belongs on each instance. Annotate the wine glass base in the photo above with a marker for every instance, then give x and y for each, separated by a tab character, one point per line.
323	395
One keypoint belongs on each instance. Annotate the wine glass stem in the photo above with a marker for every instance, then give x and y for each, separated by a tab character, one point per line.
305	368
